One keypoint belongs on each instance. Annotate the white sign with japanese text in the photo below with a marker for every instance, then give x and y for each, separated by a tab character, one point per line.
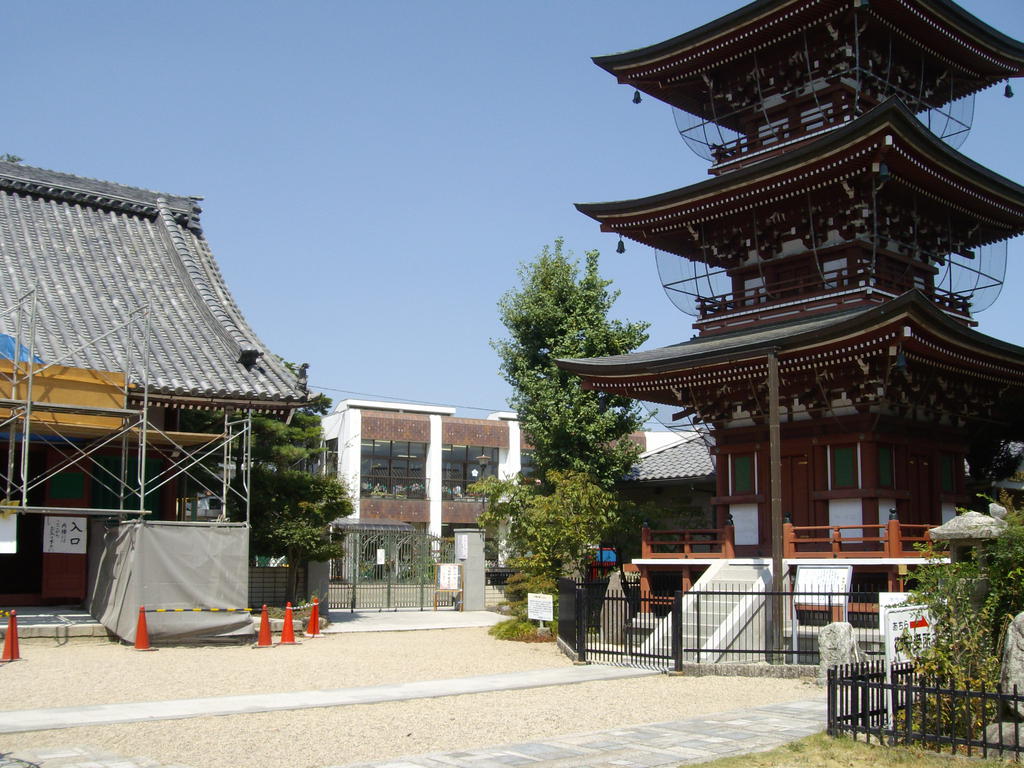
461	546
64	534
831	579
449	576
540	607
381	555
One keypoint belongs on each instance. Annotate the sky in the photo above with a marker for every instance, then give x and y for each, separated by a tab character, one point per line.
374	173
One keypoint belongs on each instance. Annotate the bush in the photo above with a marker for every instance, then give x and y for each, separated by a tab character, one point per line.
520	585
520	630
971	603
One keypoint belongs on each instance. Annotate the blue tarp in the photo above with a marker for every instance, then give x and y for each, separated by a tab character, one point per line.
7	350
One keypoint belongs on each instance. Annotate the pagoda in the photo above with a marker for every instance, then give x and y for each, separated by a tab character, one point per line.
833	261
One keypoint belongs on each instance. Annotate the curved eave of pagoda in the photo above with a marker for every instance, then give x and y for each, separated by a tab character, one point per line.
932	334
888	132
944	27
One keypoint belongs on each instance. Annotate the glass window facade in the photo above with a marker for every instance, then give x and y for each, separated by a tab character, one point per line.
395	469
461	467
526	468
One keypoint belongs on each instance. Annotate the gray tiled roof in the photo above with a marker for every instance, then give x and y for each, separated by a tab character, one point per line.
97	252
688	458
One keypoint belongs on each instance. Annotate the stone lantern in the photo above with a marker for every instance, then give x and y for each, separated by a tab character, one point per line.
970	530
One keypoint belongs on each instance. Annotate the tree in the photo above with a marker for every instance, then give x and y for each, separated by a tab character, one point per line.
551	533
7	157
291	507
557	312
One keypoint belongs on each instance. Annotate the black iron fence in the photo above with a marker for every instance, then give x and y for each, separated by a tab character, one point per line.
897	706
721	624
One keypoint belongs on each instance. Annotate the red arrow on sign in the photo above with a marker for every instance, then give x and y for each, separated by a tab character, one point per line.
919	623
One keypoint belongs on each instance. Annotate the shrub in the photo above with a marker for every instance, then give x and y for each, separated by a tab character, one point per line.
971	603
518	629
520	585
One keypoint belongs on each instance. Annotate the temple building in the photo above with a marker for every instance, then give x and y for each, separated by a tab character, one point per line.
130	377
834	263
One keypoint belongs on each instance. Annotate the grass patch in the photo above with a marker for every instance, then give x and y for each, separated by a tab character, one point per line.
821	751
521	631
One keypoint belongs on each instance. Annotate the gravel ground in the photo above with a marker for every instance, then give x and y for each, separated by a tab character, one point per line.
99	673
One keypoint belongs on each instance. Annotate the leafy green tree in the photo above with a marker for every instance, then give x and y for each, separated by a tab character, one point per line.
558	312
291	507
551	532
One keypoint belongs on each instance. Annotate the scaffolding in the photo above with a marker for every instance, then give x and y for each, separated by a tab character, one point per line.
85	416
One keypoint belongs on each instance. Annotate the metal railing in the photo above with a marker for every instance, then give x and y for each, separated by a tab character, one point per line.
394	486
897	706
719	624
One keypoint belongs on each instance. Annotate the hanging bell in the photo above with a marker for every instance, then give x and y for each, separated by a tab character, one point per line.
637	99
1008	92
621	247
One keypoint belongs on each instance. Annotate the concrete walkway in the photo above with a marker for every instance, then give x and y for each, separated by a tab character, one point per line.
14	721
694	740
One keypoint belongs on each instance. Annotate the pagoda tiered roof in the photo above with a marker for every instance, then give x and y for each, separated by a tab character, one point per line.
861	339
670	221
671	71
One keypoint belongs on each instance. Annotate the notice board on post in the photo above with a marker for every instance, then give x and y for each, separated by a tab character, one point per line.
448	581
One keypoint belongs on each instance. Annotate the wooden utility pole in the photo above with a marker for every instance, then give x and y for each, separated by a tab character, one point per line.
775	491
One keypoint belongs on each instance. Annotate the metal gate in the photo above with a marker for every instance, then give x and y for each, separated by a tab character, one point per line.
388	570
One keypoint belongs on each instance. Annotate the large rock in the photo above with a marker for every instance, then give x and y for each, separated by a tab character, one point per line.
1005	733
837	645
613	611
1012	673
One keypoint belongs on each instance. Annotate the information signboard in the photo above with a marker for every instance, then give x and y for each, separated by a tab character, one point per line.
461	546
449	576
822	578
64	534
540	607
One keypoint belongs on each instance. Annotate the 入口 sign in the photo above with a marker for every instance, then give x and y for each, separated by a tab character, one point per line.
64	534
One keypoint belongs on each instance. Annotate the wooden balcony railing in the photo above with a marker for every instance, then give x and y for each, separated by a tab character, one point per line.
687	542
890	539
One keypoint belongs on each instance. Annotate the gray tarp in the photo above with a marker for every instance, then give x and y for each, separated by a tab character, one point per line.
171	565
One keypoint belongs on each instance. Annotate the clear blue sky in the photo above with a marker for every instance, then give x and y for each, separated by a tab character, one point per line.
374	172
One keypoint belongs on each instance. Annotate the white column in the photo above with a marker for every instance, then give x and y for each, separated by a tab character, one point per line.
434	466
350	443
510	461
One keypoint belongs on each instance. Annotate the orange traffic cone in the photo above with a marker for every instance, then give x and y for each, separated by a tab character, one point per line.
264	640
288	630
11	639
142	632
313	628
